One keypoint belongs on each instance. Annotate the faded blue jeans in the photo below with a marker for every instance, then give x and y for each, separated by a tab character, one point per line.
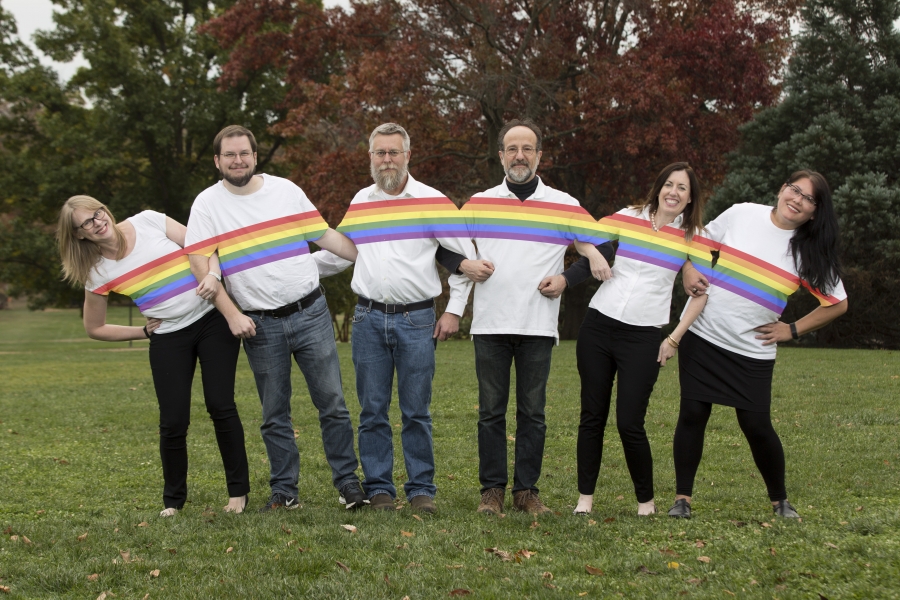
381	343
494	356
306	335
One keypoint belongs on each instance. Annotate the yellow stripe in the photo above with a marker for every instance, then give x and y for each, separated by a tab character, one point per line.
756	276
226	249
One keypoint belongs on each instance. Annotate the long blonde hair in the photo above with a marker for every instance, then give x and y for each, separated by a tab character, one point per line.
79	256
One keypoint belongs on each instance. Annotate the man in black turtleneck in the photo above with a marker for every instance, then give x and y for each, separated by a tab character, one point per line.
523	228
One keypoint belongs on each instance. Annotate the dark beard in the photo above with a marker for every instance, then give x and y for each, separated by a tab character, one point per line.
239	181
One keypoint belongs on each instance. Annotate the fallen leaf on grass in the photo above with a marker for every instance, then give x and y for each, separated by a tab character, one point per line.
736	523
412	565
593	570
417	517
93	577
460	592
501	554
859	508
350	528
703	559
668	552
732	593
296	433
299	549
286	530
154	573
592	522
40	512
830	545
549	586
4	589
172	550
147	595
673	565
525	553
8	531
764	524
843	523
534	525
772	551
609	519
510	438
582	594
402	546
699	544
229	549
343	566
14	538
126	556
620	497
143	524
82	537
454	566
104	595
646	571
547	575
407	533
695	581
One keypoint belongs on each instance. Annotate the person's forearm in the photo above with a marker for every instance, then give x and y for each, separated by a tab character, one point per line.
694	308
199	266
116	333
338	243
820	317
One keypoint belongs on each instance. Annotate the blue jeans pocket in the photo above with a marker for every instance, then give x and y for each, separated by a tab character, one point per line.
421	318
360	314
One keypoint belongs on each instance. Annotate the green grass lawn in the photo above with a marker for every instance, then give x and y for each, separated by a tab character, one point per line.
80	478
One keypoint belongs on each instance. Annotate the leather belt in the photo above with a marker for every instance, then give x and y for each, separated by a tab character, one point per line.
394	308
288	309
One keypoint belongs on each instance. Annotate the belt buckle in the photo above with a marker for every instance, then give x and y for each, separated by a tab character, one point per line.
390	309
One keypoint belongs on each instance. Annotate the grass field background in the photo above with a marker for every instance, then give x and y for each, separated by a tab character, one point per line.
80	479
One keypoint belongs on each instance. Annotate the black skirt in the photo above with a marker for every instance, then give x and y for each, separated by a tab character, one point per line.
712	374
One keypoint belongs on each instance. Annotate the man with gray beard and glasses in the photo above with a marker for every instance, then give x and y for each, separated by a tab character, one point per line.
399	225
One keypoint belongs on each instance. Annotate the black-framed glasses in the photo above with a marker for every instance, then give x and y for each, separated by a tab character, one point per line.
89	223
795	191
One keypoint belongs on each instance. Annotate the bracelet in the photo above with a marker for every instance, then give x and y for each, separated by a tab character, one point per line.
216	275
146	333
672	342
794	333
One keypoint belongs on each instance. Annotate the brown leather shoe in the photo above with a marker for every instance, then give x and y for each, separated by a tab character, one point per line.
492	501
423	504
382	502
528	501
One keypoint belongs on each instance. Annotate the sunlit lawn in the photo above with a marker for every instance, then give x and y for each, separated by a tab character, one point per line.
81	484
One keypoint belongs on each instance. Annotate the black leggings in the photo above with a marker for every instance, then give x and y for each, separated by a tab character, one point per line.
765	446
608	348
173	360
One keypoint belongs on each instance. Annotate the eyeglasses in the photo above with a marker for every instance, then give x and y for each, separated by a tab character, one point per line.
245	154
89	223
392	153
514	150
794	191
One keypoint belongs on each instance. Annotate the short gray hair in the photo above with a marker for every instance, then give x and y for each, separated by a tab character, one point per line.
390	129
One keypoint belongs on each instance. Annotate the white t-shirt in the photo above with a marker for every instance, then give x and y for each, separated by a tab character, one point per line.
397	237
262	241
526	242
156	275
640	289
751	281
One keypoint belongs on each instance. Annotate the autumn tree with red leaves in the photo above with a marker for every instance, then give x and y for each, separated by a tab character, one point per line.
620	87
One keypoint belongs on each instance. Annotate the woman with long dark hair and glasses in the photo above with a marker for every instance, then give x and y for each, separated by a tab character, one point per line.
619	339
142	258
765	254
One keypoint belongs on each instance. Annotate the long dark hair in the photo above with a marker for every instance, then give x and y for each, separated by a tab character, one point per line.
692	217
816	244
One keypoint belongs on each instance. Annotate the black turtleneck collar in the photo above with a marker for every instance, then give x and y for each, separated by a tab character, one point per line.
522	190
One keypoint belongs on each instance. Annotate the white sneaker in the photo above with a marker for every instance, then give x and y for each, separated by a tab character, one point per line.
168	512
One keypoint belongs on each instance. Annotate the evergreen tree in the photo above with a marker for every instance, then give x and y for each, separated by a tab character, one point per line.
840	116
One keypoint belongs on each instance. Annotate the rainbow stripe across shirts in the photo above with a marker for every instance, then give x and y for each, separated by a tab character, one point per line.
531	221
409	218
155	282
754	279
665	248
263	243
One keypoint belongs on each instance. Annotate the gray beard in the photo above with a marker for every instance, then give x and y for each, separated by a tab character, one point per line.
387	181
239	181
525	176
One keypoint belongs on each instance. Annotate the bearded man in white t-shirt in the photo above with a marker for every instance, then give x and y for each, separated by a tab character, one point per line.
401	226
260	226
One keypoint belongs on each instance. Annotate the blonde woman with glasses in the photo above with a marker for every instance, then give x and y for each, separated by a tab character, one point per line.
143	258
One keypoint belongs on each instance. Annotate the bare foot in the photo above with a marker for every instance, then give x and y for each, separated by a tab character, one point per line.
646	508
585	504
236	505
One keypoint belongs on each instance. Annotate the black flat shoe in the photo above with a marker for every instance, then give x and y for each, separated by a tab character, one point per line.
784	509
681	509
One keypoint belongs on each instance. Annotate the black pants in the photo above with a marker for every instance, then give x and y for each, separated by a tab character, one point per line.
607	347
173	360
764	442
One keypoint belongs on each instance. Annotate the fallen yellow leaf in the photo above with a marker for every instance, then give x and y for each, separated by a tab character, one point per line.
82	537
673	565
154	573
229	549
417	517
350	528
143	524
593	570
93	577
407	533
703	559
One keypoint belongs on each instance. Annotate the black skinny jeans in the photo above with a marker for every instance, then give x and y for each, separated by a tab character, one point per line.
607	347
765	445
173	360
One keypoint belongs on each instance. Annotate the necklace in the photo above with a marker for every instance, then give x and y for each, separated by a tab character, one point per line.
653	221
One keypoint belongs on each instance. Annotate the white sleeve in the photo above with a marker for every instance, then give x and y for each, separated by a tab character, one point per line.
329	264
200	226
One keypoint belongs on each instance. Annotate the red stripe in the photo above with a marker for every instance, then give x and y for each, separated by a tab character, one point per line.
479	201
103	289
253	228
381	204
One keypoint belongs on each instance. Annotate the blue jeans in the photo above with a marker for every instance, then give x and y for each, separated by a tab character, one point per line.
309	337
494	355
381	343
